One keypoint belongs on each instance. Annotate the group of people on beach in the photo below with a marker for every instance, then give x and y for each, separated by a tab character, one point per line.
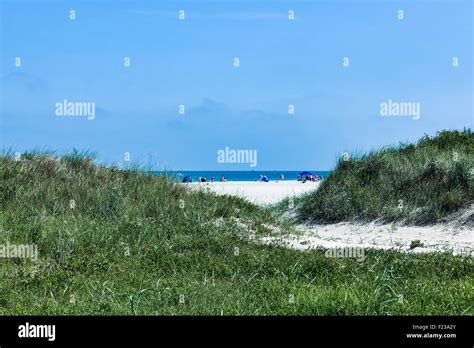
310	177
263	178
213	179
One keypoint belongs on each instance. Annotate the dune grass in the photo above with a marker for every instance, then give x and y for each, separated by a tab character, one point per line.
418	184
126	242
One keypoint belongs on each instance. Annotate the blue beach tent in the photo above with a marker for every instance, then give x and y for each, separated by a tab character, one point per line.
187	178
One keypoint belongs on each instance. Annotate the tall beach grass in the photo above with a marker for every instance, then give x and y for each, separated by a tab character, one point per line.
125	242
419	183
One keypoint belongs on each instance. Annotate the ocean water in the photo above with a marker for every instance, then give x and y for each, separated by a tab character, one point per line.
244	175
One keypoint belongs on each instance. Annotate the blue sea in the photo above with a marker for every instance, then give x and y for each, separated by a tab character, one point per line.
244	175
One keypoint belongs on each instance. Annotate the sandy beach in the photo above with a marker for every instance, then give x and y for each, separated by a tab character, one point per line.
442	237
458	240
261	193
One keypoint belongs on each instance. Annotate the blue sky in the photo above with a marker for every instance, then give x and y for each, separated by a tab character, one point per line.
190	62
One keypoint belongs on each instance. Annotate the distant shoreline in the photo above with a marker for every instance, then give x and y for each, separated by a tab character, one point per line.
239	175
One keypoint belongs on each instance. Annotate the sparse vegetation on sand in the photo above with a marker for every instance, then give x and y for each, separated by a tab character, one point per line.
124	242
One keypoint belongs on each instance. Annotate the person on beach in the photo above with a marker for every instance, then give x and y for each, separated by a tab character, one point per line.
222	178
282	177
212	178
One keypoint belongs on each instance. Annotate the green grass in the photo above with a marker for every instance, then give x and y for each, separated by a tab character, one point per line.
417	184
136	244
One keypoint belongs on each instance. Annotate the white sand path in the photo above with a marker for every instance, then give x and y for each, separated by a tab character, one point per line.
458	240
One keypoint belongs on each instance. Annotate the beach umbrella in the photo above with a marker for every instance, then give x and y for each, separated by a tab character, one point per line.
305	173
187	178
